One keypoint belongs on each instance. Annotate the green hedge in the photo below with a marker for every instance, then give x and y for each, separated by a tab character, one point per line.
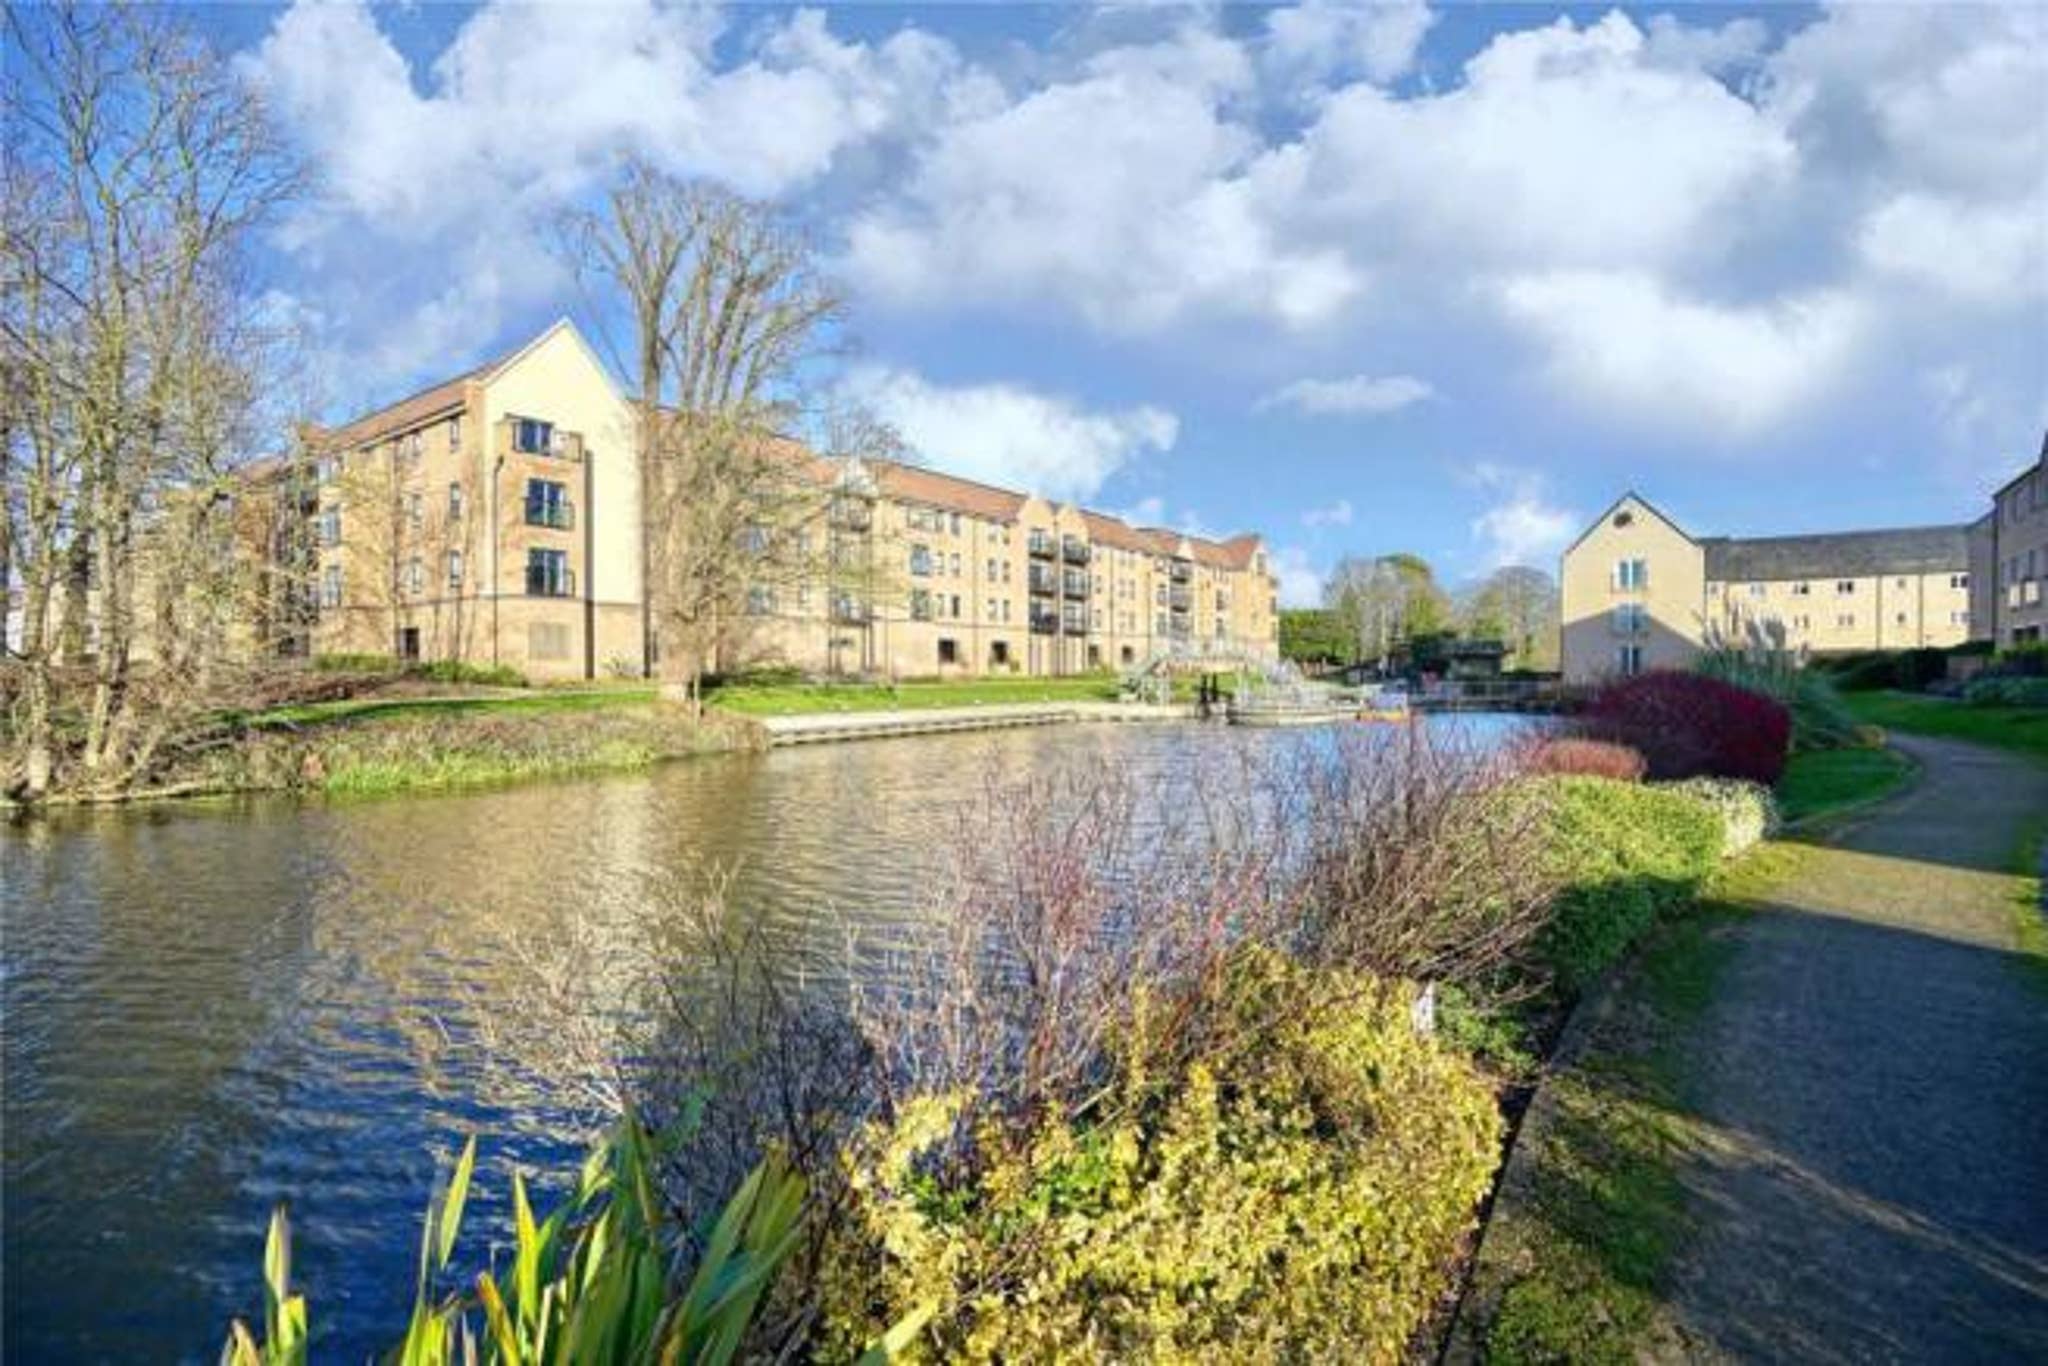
1297	1192
2007	691
1625	854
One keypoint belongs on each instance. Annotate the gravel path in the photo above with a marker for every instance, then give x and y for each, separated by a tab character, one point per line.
1873	1077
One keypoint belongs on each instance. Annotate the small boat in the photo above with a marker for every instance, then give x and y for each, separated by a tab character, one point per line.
1385	704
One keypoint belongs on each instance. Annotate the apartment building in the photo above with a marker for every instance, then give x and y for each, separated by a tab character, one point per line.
494	518
2009	560
1640	592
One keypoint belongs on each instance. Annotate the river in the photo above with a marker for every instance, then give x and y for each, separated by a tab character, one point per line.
212	1008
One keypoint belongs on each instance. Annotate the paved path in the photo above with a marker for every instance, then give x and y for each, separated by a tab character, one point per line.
1873	1075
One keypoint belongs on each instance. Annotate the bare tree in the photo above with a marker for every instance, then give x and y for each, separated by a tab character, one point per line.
137	168
727	304
1518	606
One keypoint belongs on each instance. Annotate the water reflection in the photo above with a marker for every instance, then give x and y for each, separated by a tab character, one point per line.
209	1009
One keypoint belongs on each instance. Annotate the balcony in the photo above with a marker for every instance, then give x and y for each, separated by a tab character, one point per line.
1180	598
538	441
557	516
1074	584
1043	581
1073	550
1041	545
1044	622
851	611
1182	571
1074	623
849	514
544	583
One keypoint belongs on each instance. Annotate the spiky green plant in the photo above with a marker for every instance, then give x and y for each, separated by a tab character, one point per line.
590	1283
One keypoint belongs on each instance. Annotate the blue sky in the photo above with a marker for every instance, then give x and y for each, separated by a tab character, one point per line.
1362	278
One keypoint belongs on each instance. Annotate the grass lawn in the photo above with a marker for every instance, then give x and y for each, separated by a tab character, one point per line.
796	699
2024	730
372	708
1821	782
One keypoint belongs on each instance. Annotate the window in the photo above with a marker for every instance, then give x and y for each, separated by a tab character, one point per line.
954	560
1959	581
1902	618
1629	618
999	652
1631	575
1845	620
754	539
533	436
1844	587
455	432
920	604
547	574
992	570
547	504
1801	590
409	643
455	569
328	469
760	600
330	586
1628	659
956	524
328	527
415	508
415	576
455	502
921	561
1756	590
949	650
954	611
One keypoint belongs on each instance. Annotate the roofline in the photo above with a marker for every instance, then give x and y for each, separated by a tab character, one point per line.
1627	494
1961	528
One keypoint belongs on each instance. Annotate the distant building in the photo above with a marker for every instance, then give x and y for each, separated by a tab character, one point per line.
1640	592
2009	560
495	519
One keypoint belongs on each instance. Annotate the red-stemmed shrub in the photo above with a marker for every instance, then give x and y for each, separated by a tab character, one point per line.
1686	725
1588	758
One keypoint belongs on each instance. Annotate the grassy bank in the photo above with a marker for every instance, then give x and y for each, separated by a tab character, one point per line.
799	699
1591	1212
365	708
2023	730
1830	782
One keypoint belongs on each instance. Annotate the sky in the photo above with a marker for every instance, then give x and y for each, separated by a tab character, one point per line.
1359	278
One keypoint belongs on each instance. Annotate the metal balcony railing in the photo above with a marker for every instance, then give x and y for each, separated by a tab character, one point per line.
851	515
558	516
1041	545
1181	571
1073	550
1043	581
1074	584
542	583
1045	623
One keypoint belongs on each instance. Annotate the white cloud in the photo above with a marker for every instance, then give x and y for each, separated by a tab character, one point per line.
1970	253
1321	39
1523	526
1358	394
1006	434
1335	514
1301	583
1118	193
1626	344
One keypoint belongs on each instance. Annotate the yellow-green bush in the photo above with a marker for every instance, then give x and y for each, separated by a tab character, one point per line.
1624	854
1294	1188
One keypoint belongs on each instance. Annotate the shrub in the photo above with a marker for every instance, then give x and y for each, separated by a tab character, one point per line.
2006	690
1820	719
1749	813
1588	758
1688	725
1624	854
455	671
355	664
1293	1191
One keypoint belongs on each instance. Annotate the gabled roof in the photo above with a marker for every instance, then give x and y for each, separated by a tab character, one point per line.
1615	506
916	484
1843	555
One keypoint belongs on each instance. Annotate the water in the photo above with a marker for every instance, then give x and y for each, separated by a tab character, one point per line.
208	1010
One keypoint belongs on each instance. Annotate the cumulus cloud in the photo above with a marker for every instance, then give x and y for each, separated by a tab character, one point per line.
1334	514
1010	435
1625	343
1522	526
1358	394
1319	40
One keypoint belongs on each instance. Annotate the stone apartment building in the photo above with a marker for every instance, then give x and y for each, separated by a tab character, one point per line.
2009	560
1640	592
494	518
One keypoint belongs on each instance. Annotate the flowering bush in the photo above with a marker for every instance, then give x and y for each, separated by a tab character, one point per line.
1749	814
1687	725
1585	758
